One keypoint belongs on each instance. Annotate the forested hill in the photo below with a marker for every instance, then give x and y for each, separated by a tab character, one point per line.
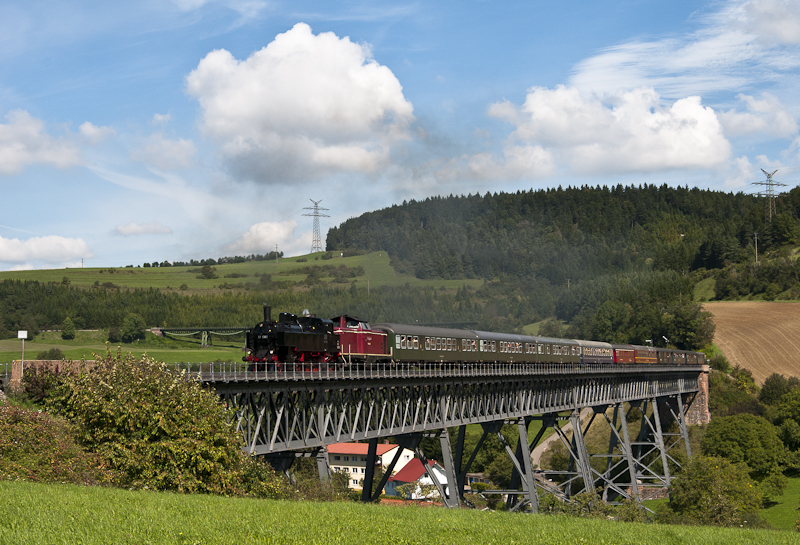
570	235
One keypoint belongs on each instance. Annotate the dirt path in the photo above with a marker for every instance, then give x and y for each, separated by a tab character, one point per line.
763	337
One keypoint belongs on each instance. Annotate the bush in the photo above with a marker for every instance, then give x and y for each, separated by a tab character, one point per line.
155	429
68	329
40	381
714	491
52	354
35	446
114	335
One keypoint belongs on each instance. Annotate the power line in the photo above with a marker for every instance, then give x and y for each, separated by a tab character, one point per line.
316	244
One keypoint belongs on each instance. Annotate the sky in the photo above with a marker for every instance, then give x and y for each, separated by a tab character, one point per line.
153	130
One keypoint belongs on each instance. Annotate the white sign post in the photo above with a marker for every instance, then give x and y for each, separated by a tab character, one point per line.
22	335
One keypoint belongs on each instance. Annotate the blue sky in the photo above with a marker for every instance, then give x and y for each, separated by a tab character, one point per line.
134	132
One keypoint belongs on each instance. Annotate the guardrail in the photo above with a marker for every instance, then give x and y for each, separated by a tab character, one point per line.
245	372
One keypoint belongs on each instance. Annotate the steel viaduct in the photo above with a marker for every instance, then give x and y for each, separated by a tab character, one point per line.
298	411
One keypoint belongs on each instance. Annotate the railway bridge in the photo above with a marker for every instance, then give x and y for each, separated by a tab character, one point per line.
297	411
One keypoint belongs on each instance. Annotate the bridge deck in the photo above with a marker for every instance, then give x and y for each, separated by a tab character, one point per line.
214	373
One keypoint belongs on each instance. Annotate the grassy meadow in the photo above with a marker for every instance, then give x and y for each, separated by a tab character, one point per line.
38	513
87	343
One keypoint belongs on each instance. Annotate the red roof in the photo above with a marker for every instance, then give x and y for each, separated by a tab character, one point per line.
412	471
358	448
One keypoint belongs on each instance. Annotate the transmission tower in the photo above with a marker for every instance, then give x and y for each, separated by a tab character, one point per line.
770	185
316	244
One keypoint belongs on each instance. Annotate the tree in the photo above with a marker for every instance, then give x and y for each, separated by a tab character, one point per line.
774	388
745	438
713	490
133	328
68	329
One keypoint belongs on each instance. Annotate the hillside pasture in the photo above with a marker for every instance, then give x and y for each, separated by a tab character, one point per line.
761	336
376	267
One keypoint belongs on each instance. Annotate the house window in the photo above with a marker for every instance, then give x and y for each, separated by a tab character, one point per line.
363	470
337	457
355	482
337	469
363	458
346	458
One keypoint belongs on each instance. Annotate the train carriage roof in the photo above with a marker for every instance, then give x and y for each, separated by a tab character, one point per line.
509	337
552	340
595	344
406	329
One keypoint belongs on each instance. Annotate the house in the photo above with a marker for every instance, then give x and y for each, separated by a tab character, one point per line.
352	458
414	472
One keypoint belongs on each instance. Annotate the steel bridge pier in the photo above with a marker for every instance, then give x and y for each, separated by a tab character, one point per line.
283	418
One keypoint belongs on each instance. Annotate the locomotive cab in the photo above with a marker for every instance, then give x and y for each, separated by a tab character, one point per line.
358	342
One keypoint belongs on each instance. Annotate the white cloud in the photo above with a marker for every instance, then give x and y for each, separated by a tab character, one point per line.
303	107
262	238
94	134
773	20
739	174
766	115
741	45
24	141
164	153
160	119
628	132
48	249
246	8
152	228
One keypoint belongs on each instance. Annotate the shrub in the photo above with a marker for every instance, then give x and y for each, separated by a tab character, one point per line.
52	354
155	429
40	381
114	335
35	446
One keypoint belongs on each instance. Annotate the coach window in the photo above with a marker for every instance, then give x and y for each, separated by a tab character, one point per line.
494	346
397	341
416	342
548	349
403	341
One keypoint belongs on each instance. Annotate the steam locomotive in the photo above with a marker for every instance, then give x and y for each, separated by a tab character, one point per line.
346	340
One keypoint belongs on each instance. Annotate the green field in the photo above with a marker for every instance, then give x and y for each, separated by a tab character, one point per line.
377	272
36	513
87	343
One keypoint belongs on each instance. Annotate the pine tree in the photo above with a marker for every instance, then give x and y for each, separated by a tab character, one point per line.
68	329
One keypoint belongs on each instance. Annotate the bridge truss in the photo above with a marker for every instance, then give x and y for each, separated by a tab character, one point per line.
282	416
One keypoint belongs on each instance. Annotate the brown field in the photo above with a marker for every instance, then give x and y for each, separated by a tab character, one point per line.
760	336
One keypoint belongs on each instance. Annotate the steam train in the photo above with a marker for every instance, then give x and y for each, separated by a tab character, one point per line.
346	340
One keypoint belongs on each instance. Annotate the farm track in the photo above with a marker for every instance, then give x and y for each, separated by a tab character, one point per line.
763	337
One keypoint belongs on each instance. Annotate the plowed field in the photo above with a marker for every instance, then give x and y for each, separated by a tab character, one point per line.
763	337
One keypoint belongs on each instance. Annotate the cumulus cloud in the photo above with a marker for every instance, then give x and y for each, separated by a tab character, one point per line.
262	238
152	228
164	153
628	132
303	107
765	115
94	134
48	249
24	141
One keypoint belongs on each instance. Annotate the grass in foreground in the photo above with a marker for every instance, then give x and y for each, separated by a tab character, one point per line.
36	513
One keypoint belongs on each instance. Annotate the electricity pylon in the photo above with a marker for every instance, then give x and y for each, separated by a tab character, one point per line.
316	244
769	193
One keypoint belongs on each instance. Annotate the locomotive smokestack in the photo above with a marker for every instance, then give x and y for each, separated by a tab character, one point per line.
267	313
